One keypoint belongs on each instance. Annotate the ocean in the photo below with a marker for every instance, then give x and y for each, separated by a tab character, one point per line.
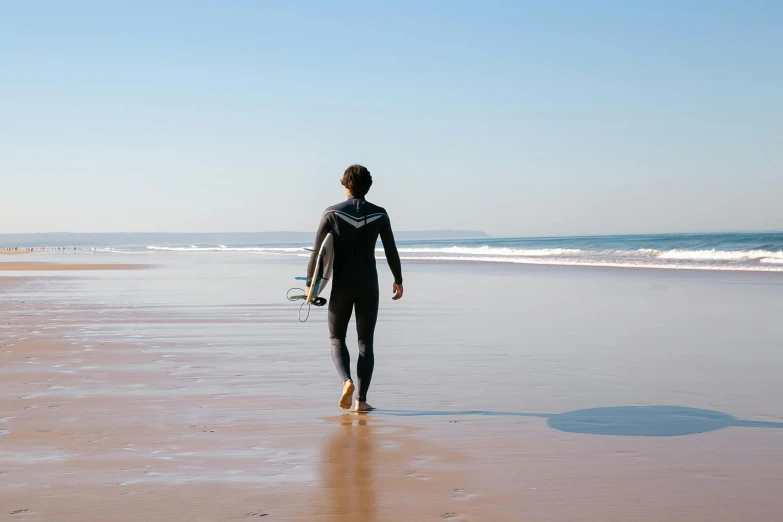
761	251
715	251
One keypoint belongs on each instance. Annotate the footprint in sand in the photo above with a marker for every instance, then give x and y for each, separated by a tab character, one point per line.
415	474
421	460
461	494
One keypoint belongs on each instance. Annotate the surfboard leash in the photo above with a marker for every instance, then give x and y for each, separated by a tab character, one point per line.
318	301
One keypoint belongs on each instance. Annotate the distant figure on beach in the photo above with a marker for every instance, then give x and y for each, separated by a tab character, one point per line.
355	225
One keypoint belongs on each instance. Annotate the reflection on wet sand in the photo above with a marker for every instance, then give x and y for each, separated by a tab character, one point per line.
348	474
375	471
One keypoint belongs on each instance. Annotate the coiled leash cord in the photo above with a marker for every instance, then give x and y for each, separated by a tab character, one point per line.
318	301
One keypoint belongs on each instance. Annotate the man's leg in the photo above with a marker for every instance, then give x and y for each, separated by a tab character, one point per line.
340	308
366	318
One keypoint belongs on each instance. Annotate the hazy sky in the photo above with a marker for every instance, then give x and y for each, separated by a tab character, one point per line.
516	118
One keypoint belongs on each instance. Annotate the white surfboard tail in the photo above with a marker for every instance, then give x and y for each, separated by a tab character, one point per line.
323	268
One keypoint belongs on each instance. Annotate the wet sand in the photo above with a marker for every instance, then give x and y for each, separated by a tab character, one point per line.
45	266
190	392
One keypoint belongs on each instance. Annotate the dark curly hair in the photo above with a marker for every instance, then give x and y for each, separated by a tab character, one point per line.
357	179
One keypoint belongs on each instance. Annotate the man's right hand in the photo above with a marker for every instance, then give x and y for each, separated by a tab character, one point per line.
397	289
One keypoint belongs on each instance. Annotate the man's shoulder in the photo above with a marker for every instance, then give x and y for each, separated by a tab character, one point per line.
372	208
337	207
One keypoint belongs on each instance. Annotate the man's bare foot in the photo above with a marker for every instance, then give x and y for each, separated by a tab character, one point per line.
347	397
361	407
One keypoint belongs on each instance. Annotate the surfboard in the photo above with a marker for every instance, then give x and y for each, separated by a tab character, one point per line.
323	271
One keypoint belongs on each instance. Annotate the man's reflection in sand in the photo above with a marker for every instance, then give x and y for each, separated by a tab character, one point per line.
347	472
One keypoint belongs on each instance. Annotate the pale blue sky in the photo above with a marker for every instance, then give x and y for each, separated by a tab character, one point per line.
516	118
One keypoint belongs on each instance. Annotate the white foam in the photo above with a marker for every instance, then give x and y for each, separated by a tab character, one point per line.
685	255
493	251
746	260
223	248
598	263
721	255
109	250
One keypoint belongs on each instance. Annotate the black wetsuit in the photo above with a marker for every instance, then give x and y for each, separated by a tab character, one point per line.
355	225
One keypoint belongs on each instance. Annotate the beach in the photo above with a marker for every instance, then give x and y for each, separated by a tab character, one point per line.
190	391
